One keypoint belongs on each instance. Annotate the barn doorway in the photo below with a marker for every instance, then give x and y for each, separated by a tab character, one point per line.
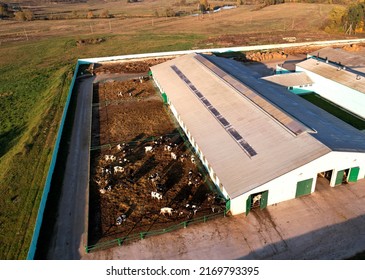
341	177
257	200
327	175
324	180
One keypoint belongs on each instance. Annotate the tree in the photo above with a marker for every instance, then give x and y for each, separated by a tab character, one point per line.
169	12
104	14
28	14
90	14
3	10
203	5
19	16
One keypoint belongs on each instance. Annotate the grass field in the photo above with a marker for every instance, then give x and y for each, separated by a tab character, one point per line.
37	59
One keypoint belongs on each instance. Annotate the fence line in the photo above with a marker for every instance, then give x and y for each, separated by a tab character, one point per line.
38	224
142	235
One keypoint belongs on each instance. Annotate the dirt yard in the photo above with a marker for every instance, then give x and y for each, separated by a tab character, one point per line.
137	150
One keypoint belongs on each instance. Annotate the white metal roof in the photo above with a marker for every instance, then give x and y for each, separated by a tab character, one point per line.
278	149
354	60
335	73
290	79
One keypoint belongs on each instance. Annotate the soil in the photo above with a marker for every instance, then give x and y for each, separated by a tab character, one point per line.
138	66
135	119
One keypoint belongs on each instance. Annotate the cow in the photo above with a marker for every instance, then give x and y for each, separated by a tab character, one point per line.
156	195
110	157
118	169
148	149
256	198
173	156
122	218
165	210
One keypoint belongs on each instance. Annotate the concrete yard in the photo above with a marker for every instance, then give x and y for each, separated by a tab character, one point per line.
328	224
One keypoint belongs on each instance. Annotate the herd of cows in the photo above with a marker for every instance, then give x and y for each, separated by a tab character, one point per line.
150	183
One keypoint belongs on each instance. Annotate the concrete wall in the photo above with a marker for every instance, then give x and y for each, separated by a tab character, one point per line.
222	50
284	187
350	99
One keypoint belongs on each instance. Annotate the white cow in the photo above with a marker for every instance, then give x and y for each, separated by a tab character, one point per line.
173	156
156	195
121	219
148	149
119	147
167	148
165	210
192	158
110	157
118	169
256	198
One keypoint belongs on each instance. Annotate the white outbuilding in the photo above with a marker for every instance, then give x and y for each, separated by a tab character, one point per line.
260	143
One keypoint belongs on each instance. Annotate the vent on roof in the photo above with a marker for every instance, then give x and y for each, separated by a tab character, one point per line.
227	126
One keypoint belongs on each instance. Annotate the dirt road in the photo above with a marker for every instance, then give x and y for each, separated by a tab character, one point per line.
68	237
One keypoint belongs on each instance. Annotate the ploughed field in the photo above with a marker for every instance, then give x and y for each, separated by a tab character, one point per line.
140	164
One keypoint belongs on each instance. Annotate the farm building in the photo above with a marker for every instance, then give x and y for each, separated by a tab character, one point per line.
339	84
260	143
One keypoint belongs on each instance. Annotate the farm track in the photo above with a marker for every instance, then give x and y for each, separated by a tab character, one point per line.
69	232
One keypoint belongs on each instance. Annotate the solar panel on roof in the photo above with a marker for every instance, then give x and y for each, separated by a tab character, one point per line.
227	126
234	134
276	113
223	121
215	112
205	101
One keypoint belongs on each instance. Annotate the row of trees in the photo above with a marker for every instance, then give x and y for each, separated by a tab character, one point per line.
346	19
353	19
23	15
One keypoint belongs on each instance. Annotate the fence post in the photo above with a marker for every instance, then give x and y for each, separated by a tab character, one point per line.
185	224
119	242
141	234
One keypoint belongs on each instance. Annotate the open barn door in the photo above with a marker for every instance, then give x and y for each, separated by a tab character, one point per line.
354	174
248	204
263	201
339	177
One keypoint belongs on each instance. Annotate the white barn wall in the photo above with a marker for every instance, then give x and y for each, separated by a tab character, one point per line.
284	187
350	99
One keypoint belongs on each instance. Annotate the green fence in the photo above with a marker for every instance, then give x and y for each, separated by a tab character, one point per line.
47	185
142	235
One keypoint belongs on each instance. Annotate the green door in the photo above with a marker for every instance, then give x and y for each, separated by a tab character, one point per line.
228	205
354	174
164	97
248	205
304	187
339	177
263	201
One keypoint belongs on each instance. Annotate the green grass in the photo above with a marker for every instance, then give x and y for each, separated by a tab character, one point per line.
34	81
335	110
